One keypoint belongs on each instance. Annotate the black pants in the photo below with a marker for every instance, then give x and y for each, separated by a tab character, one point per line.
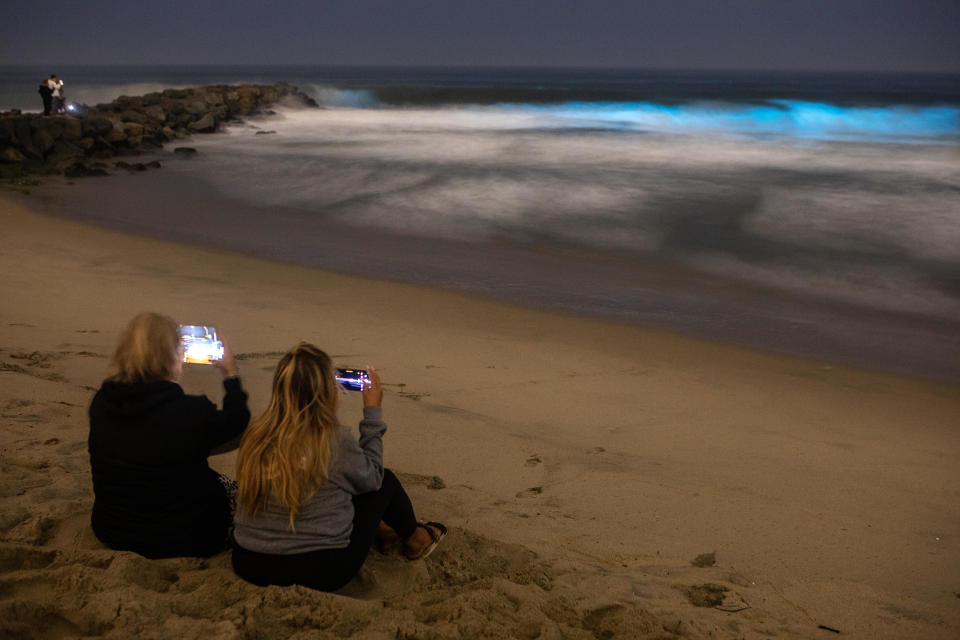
330	569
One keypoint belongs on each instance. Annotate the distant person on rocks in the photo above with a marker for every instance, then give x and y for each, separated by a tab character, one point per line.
311	498
154	492
56	88
46	94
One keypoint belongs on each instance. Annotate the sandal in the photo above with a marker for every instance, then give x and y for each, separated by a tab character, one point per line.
432	528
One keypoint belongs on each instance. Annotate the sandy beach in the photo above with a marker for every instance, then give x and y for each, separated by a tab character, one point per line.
599	480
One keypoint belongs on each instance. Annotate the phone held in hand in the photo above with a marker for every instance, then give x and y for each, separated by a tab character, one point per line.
353	379
200	344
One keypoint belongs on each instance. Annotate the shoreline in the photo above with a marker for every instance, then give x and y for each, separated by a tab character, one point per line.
644	292
585	464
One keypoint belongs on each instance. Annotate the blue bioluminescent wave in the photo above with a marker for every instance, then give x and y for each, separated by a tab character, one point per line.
327	96
786	118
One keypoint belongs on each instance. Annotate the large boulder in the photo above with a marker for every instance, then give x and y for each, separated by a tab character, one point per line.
11	154
126	103
196	106
102	148
53	126
97	126
131	115
117	134
206	124
82	170
63	154
133	133
7	133
171	106
43	140
155	112
22	134
175	94
72	128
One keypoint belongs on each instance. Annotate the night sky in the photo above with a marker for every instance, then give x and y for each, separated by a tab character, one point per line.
892	35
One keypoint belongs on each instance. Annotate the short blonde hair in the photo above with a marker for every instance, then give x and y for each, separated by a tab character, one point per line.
148	350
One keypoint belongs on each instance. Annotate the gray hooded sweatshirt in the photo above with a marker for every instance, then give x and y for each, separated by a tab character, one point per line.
325	520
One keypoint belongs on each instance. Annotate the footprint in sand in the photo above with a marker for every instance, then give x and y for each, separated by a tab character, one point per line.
15	557
529	493
85	354
15	368
412	396
621	621
434	483
28	363
35	358
403	393
533	460
713	595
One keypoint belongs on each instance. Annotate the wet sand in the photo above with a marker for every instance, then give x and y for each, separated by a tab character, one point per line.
587	469
651	292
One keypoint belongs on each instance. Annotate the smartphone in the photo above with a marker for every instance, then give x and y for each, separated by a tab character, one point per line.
353	379
200	344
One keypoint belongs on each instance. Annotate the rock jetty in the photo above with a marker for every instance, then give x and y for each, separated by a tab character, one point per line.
76	145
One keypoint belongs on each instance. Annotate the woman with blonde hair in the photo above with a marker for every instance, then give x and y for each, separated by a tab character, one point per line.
311	497
154	492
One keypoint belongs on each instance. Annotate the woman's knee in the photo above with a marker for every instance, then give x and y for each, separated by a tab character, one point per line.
389	479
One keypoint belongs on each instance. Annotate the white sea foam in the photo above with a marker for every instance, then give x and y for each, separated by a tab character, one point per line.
856	220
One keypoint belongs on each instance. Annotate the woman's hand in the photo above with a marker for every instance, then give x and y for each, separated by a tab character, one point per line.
227	365
372	392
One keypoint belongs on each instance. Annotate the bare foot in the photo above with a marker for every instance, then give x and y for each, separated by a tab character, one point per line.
387	538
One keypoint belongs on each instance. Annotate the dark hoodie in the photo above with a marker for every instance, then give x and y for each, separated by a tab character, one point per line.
153	490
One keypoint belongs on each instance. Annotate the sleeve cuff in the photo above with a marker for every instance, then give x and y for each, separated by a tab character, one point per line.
373	413
232	384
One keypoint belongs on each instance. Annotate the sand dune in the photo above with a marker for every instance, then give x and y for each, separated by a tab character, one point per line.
600	481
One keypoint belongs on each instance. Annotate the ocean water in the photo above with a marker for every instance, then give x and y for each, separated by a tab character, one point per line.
838	189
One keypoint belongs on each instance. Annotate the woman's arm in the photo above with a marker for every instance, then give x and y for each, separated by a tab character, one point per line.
227	426
360	464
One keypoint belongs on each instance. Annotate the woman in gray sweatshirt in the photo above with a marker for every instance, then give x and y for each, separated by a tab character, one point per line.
311	497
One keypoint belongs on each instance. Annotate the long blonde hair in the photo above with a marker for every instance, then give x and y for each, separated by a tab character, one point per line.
285	452
148	349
